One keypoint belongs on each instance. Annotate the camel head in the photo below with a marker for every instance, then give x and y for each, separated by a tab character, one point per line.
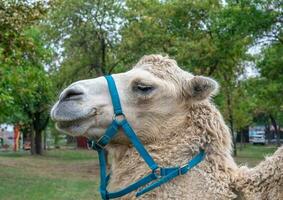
152	92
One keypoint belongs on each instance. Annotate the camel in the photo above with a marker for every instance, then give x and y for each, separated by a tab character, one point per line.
172	113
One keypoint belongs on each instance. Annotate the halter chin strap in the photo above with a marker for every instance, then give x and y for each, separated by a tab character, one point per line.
159	174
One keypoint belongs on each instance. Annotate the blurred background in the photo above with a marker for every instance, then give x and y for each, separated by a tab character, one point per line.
46	45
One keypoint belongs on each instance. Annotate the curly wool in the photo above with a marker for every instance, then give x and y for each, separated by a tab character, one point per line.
178	139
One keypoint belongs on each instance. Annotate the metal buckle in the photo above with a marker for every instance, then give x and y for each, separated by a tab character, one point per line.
119	118
90	144
157	172
98	145
97	142
93	145
180	169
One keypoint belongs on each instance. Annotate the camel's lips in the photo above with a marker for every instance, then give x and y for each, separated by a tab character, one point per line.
60	114
67	124
71	122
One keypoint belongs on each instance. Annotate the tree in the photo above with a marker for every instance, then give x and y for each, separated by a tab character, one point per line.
25	83
14	18
271	93
209	37
89	26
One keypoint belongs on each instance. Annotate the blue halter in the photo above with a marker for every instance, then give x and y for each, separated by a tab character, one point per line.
160	174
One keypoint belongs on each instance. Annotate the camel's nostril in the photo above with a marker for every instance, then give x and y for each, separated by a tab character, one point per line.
71	94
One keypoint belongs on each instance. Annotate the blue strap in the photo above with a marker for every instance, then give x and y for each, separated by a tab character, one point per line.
114	95
110	132
125	125
166	174
147	179
138	145
103	179
195	161
173	172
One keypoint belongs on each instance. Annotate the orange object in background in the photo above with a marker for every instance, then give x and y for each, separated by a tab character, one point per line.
16	137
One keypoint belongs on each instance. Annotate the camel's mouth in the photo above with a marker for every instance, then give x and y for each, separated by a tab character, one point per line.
69	119
74	121
68	124
86	127
74	127
70	112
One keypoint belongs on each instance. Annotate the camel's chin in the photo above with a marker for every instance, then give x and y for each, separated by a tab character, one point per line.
71	128
77	128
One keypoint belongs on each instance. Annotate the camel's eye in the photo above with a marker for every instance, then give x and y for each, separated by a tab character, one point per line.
143	88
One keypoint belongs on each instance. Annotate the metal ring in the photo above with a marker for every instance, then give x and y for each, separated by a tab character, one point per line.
179	171
98	145
103	136
157	172
119	117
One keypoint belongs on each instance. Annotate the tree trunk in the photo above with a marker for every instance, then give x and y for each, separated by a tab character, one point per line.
56	141
32	142
98	71
242	139
45	140
99	64
38	126
38	142
103	55
231	122
277	133
268	133
71	139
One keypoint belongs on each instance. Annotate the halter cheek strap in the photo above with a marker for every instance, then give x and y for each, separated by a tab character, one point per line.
158	174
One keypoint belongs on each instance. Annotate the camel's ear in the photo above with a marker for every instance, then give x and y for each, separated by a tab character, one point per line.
199	88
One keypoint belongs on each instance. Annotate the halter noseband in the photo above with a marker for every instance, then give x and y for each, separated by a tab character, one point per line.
160	174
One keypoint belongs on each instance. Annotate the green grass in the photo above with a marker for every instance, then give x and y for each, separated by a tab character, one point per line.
59	174
69	155
251	155
71	174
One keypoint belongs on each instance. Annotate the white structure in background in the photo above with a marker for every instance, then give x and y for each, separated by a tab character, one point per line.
257	135
7	134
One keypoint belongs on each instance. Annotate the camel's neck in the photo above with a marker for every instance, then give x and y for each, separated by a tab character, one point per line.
127	166
177	146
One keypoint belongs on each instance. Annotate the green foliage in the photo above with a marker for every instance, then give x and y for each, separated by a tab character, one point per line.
27	83
22	57
26	87
270	92
205	37
271	63
15	17
86	34
177	28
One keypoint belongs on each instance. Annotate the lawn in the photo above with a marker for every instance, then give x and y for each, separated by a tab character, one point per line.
251	155
59	174
70	174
